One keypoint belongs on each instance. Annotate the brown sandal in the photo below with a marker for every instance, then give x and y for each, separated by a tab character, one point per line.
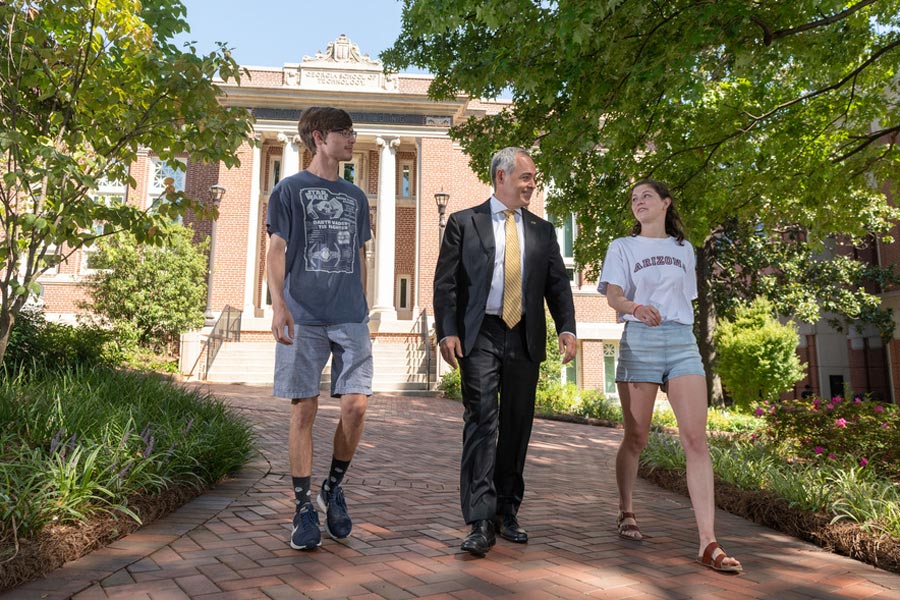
628	531
716	565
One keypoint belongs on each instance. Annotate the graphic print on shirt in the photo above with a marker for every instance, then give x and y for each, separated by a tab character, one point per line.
658	261
330	231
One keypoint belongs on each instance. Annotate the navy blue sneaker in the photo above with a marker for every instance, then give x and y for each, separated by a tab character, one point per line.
305	534
337	521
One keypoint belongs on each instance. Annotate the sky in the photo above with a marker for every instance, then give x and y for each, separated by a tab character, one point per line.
270	33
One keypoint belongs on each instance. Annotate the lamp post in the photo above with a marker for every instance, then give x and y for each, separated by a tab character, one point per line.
216	192
442	198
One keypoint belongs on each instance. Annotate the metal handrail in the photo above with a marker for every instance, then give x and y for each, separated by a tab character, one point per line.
426	344
226	329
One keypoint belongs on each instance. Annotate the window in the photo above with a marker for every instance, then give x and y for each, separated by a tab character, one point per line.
570	371
161	170
565	237
89	253
405	189
108	193
610	358
354	170
52	258
404	297
276	172
349	172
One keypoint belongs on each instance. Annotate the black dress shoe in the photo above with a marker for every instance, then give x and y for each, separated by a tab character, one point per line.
480	539
509	529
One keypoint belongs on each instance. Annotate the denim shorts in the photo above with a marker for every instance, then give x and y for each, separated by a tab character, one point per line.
658	354
298	367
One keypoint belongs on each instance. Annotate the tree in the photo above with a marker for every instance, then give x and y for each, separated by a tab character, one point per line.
781	266
774	114
157	292
757	354
83	85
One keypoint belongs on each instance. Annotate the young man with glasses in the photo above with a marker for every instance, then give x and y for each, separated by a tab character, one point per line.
318	225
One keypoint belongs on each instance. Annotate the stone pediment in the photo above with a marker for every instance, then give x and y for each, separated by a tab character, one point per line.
341	67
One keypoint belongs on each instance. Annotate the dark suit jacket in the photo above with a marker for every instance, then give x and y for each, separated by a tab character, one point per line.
465	267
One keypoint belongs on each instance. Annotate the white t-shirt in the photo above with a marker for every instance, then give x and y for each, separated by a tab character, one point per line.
653	271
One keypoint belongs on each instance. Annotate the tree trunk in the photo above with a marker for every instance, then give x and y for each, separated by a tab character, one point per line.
7	319
706	324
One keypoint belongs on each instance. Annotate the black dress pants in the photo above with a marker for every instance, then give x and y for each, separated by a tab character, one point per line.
499	381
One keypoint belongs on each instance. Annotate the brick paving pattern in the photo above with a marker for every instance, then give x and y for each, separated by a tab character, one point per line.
402	492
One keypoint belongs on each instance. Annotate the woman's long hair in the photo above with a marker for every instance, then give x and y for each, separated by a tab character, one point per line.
674	226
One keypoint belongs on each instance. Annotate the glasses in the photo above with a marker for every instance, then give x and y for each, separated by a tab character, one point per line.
346	133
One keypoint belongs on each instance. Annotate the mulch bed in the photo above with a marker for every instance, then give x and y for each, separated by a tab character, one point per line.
58	544
766	508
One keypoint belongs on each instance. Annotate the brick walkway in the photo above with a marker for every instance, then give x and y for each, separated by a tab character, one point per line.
231	543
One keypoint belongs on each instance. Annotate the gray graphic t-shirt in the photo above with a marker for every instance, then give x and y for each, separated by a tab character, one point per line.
325	223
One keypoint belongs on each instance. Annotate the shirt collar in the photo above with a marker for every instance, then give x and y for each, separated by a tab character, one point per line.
499	207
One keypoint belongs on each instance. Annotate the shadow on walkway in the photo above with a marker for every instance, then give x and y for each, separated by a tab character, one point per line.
402	492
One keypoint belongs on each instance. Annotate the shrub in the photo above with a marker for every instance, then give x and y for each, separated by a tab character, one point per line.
38	343
551	369
856	430
557	398
157	292
80	441
841	489
757	358
451	384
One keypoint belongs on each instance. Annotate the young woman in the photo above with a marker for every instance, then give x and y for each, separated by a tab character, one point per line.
649	279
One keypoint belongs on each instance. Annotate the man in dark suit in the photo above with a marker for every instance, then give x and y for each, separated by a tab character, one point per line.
497	265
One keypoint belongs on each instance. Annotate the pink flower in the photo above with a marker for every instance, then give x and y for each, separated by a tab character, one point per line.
832	456
842	422
879	408
830	406
863	461
857	400
885	426
759	412
819	449
836	400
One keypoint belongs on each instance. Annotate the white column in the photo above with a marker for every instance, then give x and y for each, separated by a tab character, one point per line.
385	231
290	154
419	209
253	236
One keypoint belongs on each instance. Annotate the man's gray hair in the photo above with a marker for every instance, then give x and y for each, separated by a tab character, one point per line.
505	160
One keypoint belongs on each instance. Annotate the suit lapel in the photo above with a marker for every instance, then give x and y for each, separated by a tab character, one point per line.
481	218
530	227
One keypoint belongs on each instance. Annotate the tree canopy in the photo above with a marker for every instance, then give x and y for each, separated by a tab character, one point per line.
775	112
773	115
85	84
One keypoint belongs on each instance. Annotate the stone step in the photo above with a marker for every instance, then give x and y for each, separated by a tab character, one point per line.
399	369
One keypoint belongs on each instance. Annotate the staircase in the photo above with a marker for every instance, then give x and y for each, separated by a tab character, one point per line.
399	368
244	362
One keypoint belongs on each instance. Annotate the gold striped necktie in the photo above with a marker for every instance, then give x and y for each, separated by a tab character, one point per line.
512	273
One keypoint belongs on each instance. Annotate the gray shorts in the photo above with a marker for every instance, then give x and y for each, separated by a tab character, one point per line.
658	354
298	367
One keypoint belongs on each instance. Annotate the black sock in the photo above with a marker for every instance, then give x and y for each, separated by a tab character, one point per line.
336	474
301	490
